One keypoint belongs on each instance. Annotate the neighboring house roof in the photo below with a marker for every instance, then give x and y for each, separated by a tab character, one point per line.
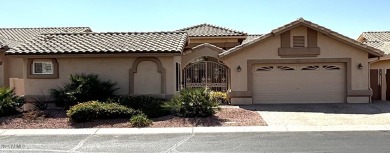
251	37
371	50
2	43
208	30
378	39
376	35
15	36
118	42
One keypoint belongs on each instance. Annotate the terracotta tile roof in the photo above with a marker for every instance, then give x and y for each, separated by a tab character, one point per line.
376	36
2	43
62	43
371	50
251	37
208	30
375	44
377	39
15	36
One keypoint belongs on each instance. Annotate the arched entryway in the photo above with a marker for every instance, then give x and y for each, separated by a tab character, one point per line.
206	72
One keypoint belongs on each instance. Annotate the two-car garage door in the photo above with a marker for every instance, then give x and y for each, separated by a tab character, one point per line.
299	83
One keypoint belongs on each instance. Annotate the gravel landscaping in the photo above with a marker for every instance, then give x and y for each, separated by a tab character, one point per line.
57	119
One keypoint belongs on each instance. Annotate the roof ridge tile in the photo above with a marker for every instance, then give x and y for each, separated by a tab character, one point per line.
207	29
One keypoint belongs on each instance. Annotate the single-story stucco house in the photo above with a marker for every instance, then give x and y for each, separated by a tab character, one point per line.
380	67
300	62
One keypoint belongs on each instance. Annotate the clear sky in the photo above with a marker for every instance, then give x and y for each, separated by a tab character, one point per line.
348	17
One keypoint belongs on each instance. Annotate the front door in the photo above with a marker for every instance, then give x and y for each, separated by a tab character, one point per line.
375	84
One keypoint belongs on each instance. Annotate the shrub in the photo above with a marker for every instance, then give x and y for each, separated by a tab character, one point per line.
9	102
40	102
140	120
220	97
150	106
82	88
91	110
195	102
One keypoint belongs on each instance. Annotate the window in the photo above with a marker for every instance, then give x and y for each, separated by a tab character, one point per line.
311	67
42	67
298	41
178	76
331	67
285	68
265	68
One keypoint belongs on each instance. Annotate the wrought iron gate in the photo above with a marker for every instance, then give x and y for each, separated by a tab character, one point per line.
208	74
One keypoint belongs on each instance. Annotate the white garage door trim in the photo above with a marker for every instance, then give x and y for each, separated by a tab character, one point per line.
299	83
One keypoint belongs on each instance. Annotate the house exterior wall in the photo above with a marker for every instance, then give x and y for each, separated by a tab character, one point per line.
116	69
10	68
358	88
382	65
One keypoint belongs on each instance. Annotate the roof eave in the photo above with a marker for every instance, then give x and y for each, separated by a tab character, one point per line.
235	49
372	51
99	54
222	37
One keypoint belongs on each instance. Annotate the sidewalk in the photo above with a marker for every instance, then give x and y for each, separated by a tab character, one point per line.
189	130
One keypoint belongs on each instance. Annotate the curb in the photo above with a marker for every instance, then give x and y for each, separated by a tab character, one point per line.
189	130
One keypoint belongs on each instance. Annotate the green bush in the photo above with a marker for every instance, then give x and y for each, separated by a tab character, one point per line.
140	120
9	102
82	88
150	106
91	110
195	102
41	102
220	97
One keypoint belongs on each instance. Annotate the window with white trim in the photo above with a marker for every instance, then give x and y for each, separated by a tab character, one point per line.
42	67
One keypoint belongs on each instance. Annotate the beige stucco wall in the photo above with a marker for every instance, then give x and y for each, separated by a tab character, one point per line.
382	64
147	79
336	49
14	67
299	31
330	48
113	68
10	67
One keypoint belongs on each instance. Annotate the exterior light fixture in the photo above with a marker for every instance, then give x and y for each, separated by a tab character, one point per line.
239	68
360	66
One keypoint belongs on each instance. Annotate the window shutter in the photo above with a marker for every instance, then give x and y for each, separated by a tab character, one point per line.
298	41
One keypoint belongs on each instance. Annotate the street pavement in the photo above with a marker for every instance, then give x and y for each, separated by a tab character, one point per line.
358	128
278	142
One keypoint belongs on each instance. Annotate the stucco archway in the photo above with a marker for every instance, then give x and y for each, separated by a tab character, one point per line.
134	70
203	50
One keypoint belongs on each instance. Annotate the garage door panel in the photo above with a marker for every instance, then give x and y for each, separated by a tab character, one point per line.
325	83
294	99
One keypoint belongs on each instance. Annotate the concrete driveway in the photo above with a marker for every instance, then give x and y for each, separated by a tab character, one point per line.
377	113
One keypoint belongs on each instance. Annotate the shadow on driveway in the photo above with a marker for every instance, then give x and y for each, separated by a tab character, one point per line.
377	107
